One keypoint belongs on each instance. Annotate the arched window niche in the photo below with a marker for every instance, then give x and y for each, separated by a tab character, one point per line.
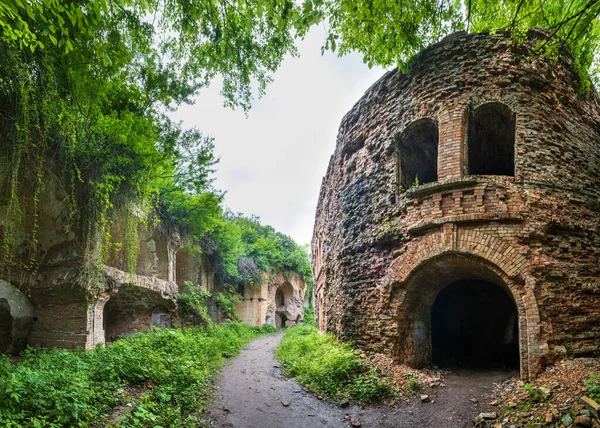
279	298
491	140
418	154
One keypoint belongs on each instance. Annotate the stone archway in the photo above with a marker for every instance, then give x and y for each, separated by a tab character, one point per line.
429	288
131	310
280	320
16	318
279	298
451	254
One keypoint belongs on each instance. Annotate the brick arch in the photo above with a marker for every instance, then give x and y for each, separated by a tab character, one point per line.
452	252
454	127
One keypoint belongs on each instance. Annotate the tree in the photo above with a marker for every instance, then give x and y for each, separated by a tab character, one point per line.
391	32
84	90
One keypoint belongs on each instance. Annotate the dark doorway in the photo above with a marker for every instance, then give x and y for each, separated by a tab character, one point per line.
280	320
474	324
279	298
491	141
6	327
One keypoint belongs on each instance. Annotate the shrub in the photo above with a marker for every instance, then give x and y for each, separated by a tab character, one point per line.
309	316
226	302
268	328
329	367
193	304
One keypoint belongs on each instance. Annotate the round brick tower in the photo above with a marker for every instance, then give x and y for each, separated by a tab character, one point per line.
459	219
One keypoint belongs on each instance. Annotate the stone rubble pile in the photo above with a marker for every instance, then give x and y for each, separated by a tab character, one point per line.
557	398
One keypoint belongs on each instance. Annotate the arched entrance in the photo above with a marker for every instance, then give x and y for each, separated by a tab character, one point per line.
460	309
474	324
16	319
132	310
279	298
280	320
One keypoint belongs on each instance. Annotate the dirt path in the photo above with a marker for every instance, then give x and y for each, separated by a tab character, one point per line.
252	393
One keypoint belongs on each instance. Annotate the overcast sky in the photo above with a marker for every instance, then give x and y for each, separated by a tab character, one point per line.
273	161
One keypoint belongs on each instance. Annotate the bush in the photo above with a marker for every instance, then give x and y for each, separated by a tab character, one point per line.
56	388
309	316
329	367
268	328
193	307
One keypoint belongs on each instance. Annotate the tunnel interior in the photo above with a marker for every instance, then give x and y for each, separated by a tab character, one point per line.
6	327
474	324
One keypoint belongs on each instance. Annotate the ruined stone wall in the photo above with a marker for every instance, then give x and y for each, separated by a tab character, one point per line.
381	251
260	305
46	300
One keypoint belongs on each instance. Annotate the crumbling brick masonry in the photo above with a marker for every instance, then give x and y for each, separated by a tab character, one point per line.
460	213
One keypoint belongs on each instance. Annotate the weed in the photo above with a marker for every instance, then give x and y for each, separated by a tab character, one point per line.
413	384
592	384
415	183
535	396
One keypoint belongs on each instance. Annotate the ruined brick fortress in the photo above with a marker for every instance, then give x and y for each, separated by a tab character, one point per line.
459	219
52	308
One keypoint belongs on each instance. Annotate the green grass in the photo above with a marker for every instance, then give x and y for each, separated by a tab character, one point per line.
328	367
56	388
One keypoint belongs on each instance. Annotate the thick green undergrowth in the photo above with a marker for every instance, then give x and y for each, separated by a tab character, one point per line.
57	387
329	367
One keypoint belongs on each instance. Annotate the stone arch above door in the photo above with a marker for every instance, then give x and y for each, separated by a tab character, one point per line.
449	252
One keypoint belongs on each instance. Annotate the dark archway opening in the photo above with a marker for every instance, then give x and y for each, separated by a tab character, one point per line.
491	140
133	310
279	298
280	320
418	153
474	323
6	327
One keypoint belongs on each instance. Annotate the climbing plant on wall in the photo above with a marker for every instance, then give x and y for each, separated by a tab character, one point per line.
84	91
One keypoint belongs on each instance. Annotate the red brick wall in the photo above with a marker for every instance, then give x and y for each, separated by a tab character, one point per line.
537	234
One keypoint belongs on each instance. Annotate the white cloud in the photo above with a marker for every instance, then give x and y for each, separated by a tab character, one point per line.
273	161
